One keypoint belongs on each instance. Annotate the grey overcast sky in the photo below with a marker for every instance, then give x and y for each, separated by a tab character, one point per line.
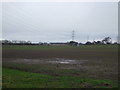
54	22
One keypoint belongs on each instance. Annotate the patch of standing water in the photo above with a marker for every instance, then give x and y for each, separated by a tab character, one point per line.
50	60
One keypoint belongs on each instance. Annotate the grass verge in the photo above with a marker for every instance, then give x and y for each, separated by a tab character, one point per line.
19	79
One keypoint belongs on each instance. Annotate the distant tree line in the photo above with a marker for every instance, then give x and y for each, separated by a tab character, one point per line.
105	41
15	42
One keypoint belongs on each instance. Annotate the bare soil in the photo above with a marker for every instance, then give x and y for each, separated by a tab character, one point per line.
88	63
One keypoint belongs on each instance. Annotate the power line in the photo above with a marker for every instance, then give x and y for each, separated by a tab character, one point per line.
87	38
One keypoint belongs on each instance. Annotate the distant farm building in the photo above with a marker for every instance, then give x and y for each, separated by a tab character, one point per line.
58	43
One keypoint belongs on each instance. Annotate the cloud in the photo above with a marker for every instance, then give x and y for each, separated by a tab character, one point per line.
55	21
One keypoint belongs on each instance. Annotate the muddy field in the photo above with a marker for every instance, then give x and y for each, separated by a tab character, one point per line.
83	61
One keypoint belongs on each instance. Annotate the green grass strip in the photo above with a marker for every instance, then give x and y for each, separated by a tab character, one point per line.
19	79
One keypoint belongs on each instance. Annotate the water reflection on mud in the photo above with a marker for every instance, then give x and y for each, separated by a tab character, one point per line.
50	60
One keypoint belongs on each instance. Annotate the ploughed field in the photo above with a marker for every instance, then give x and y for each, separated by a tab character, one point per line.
96	62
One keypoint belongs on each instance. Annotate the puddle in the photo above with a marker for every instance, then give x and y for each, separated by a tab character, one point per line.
49	60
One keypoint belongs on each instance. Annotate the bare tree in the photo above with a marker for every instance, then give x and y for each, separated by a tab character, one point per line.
107	40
